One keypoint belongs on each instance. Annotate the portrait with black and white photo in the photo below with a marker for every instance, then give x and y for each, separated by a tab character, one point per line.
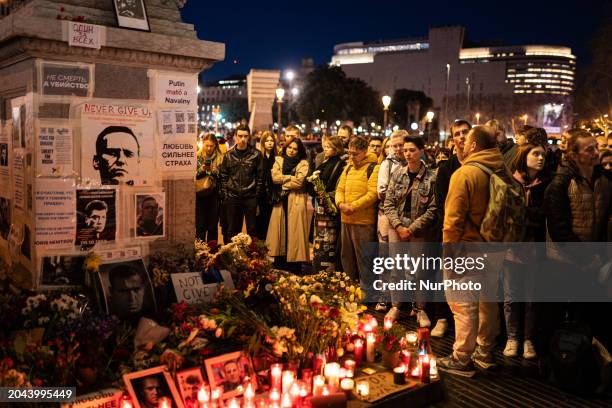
96	216
127	289
62	270
150	215
131	14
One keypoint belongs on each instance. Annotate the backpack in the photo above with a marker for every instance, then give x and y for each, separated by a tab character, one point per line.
571	364
504	219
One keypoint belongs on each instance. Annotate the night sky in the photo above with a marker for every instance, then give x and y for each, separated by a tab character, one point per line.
276	34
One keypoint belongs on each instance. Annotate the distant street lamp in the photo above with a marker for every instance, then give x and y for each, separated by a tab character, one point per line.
478	118
290	76
386	100
280	93
429	115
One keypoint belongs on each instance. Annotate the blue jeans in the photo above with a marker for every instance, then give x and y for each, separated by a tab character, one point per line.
519	283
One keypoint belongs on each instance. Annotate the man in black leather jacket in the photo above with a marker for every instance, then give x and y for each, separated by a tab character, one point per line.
241	183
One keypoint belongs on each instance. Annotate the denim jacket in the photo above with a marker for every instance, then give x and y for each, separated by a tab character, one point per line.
420	221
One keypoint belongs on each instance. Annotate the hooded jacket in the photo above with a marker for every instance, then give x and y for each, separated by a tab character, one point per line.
468	197
356	189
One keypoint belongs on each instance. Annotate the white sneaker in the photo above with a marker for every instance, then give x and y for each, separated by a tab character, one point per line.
440	328
511	349
529	352
423	319
393	313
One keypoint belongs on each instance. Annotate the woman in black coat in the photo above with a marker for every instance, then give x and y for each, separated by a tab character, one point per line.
326	225
268	148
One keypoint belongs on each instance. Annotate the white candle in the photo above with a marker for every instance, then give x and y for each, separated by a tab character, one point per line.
317	385
276	371
371	348
363	388
288	379
332	373
347	384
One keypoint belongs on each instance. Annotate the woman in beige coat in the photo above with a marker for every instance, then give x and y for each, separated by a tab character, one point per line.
287	235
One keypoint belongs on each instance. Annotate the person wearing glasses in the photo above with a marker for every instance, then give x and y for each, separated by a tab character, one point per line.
356	198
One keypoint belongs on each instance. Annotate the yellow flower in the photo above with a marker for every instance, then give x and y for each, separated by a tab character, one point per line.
358	293
351	297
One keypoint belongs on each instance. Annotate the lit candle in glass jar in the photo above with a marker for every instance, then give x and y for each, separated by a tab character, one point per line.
363	388
203	394
288	379
317	385
347	385
164	402
371	347
412	338
388	322
276	371
358	351
286	401
332	371
433	368
275	395
233	403
350	368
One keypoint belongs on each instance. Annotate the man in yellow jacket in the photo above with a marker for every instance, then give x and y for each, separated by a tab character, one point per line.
356	198
476	319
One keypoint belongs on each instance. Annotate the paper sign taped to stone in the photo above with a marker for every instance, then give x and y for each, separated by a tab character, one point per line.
54	150
190	289
55	215
178	131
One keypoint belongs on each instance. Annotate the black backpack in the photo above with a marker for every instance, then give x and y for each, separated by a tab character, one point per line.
571	363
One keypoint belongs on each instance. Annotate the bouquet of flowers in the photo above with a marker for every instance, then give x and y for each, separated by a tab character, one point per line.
323	197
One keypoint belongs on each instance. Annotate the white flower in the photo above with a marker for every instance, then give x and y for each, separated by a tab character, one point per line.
315	299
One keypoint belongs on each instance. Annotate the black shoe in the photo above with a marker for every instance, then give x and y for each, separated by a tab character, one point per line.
453	366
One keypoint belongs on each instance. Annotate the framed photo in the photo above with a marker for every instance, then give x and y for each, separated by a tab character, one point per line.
230	371
150	215
148	388
189	382
57	271
127	289
131	14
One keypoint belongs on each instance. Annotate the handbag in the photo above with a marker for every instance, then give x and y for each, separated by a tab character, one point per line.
206	185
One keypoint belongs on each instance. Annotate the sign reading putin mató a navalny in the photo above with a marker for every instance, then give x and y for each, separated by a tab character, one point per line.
65	80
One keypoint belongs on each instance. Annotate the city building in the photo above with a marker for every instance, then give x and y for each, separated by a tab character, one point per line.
226	98
515	84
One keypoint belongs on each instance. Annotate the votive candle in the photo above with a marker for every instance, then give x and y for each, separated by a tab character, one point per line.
350	368
425	369
363	388
318	382
332	373
347	385
399	375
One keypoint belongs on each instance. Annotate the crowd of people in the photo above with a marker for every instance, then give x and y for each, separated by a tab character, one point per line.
396	189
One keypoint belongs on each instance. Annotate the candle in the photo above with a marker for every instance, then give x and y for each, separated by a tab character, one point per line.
275	395
233	403
325	390
286	401
294	392
347	385
332	373
276	371
126	402
433	368
288	378
367	328
249	394
399	375
388	322
412	338
307	379
317	385
350	368
425	369
370	348
203	394
416	372
358	351
373	322
406	358
164	402
342	373
363	389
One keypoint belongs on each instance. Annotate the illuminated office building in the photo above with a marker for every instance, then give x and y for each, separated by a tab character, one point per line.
502	82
